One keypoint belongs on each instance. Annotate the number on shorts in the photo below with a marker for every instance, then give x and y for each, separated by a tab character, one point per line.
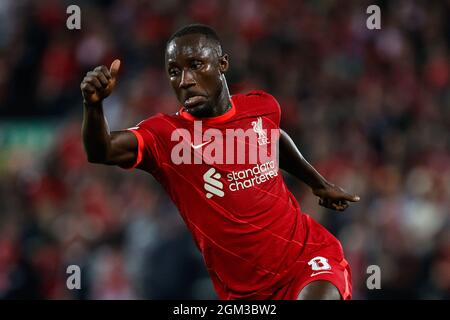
319	263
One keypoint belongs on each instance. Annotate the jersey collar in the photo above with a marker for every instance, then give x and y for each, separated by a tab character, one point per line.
210	120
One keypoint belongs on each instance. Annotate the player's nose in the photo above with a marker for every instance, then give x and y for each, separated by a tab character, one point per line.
187	80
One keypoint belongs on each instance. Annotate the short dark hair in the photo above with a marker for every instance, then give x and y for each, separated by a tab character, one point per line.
201	29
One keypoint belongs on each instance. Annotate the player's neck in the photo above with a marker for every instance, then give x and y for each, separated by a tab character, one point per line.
223	102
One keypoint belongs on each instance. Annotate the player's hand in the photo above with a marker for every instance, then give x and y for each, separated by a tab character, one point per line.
334	197
99	83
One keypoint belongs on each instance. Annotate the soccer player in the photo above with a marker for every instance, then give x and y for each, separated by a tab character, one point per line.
255	240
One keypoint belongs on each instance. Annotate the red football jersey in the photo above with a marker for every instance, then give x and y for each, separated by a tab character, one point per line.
247	225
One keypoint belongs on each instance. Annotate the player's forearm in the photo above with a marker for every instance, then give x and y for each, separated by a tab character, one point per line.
95	131
292	161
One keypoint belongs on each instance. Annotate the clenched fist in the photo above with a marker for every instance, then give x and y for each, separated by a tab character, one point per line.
99	83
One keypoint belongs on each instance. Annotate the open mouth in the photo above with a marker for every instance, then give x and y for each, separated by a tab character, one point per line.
194	101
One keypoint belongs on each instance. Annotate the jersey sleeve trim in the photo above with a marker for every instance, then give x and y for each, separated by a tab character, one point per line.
346	294
140	148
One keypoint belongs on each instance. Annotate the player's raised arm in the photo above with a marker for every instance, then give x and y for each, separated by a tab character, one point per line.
292	161
101	146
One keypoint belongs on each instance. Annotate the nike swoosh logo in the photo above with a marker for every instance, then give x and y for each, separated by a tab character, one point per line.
317	273
200	145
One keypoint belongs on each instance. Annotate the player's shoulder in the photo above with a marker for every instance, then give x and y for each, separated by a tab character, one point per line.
158	122
259	99
158	118
255	94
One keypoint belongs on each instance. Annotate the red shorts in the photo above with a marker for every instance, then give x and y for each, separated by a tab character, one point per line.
323	259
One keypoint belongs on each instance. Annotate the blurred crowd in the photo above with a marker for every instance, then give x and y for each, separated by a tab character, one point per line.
370	109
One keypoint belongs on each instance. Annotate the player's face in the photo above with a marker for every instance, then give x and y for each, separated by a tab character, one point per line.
194	68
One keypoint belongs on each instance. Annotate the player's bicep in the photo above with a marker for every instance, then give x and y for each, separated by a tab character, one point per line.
285	143
124	149
288	152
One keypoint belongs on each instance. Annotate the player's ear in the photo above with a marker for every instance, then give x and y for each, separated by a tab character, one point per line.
223	63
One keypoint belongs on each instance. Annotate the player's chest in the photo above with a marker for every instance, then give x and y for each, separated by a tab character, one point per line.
225	161
246	141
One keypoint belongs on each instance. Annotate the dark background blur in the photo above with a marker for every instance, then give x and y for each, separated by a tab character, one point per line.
369	108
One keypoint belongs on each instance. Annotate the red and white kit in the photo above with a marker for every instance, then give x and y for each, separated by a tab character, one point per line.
255	240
